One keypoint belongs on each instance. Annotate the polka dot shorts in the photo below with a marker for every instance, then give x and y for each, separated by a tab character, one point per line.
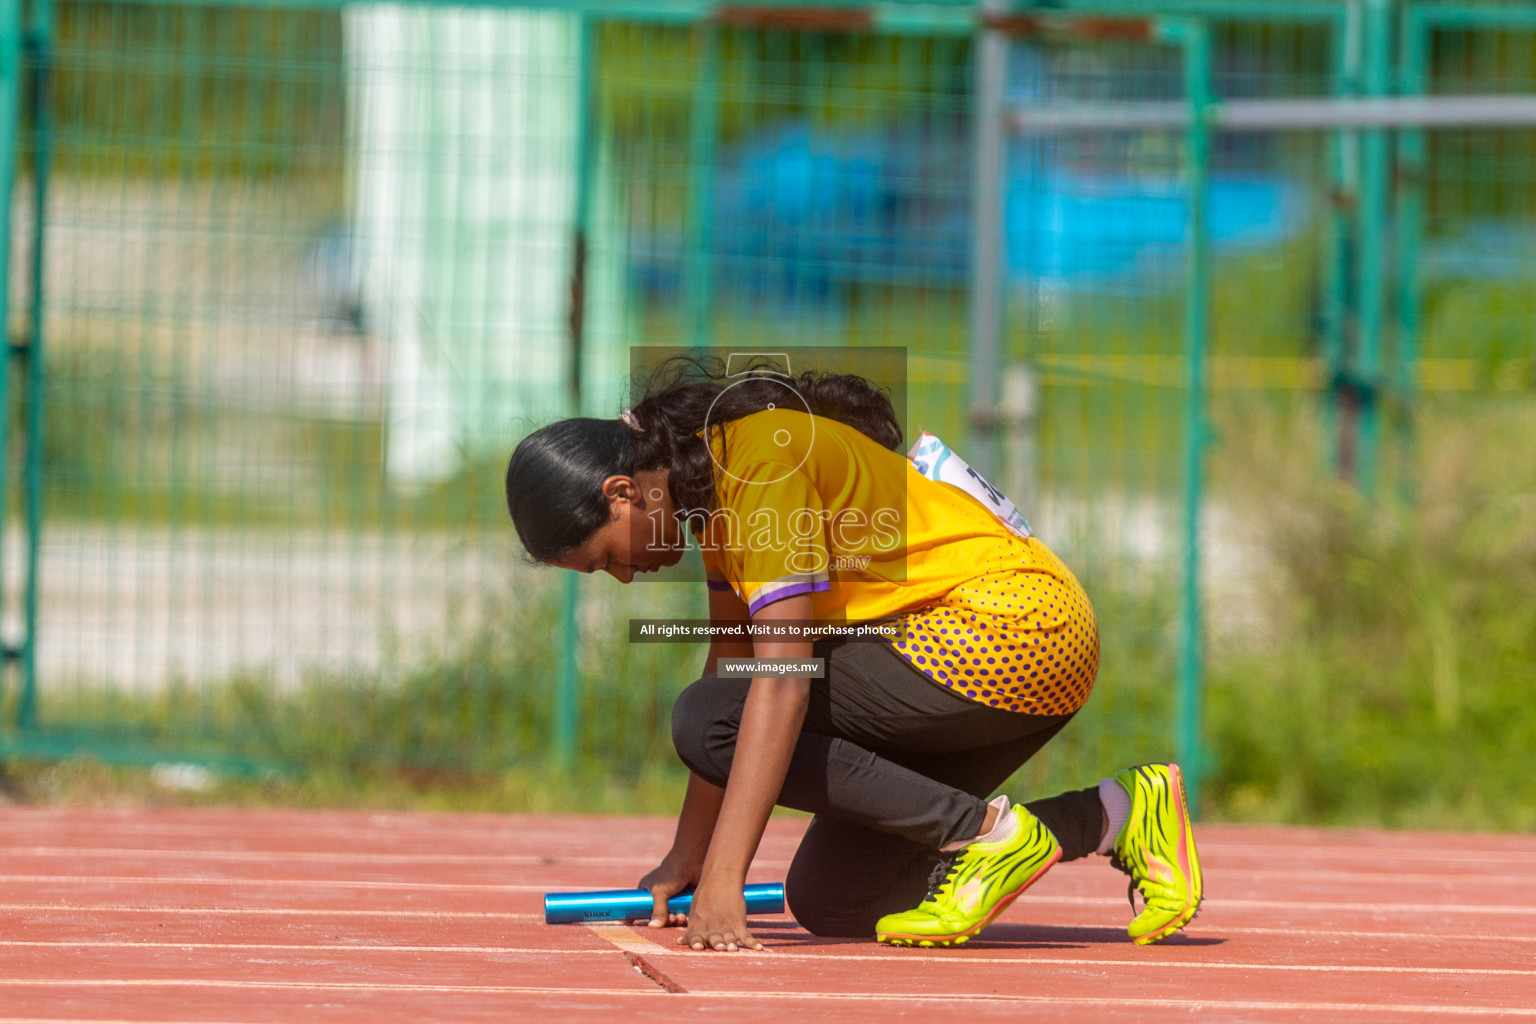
1021	640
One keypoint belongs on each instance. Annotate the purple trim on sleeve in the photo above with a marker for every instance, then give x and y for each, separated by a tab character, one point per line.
793	590
719	585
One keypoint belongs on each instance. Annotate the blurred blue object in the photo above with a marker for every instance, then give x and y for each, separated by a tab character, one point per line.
1101	232
799	217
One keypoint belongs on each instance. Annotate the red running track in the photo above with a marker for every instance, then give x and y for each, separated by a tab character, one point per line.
249	918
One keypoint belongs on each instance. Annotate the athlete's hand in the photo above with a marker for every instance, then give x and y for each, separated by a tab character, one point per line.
667	879
718	921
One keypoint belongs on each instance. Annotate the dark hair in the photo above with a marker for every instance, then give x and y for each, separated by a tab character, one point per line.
555	477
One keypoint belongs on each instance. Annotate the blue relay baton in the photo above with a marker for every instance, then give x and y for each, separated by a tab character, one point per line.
636	904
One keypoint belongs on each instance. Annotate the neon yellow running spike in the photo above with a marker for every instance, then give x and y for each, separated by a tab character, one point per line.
1157	849
978	884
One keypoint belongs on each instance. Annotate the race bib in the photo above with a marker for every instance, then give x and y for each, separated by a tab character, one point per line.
934	459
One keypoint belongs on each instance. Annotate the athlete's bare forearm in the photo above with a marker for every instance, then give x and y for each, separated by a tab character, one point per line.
696	822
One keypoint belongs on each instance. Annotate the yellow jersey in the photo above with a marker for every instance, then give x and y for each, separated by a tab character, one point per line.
810	505
806	504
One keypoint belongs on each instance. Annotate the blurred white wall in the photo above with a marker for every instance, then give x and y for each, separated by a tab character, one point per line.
463	130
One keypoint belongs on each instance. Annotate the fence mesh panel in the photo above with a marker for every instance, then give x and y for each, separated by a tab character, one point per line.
309	275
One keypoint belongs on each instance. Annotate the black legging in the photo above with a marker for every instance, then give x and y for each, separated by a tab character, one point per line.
894	767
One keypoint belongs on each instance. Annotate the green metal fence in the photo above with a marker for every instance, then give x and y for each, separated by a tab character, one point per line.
288	281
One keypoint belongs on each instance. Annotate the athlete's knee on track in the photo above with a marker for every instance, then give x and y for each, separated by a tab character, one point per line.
818	909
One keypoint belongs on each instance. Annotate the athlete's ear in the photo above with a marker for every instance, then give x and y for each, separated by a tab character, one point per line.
621	488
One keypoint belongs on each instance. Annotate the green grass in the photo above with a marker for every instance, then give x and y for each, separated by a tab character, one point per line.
1388	683
484	706
472	731
1394	687
83	781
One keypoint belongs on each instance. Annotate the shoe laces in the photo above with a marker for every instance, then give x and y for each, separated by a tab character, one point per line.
939	875
1131	886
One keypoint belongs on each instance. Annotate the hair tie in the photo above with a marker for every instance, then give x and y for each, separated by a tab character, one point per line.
627	417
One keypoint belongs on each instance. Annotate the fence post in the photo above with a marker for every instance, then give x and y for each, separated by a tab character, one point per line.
986	292
1373	222
10	100
566	686
1197	86
704	132
1344	174
41	49
1411	169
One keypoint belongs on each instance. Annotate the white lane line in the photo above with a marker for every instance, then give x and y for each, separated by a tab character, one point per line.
1307	933
1395	877
1418	909
303	947
905	998
316	986
302	883
87	908
1031	957
390	832
1292	933
629	940
555	861
333	857
1160	965
97	1020
216	825
1194	1005
1396	851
